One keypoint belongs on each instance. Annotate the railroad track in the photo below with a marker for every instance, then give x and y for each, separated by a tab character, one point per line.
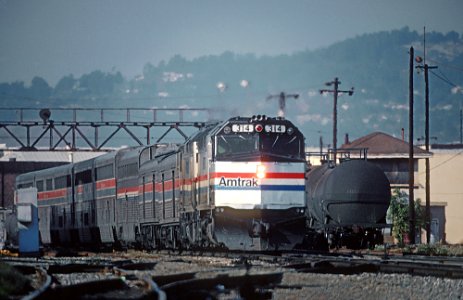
186	275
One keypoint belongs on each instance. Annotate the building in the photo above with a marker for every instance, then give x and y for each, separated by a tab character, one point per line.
390	154
446	194
446	190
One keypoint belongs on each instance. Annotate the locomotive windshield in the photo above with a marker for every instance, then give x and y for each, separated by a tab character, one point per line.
257	146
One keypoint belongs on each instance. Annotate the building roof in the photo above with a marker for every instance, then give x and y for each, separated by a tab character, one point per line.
382	145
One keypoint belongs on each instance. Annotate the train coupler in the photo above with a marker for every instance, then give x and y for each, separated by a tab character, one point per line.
259	229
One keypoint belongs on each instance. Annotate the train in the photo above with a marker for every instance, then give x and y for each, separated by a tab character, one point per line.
348	203
240	184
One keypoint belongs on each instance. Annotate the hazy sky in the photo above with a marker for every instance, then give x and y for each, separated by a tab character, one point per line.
53	38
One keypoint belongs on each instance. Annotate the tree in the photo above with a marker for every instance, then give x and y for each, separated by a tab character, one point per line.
39	88
11	92
65	87
99	83
398	213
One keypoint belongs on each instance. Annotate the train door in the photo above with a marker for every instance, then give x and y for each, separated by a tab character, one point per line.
54	233
143	197
113	206
106	217
194	194
153	195
95	235
204	175
85	200
195	168
65	225
173	194
179	168
72	212
163	196
207	168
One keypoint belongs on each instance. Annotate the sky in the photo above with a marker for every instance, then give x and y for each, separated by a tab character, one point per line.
55	38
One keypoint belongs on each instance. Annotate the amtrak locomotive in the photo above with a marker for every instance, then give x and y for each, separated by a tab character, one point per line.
238	184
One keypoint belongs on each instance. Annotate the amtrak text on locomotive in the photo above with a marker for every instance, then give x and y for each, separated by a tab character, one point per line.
238	182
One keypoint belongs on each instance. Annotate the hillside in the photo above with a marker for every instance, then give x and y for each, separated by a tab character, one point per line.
376	65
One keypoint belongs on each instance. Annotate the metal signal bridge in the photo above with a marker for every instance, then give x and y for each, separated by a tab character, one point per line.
92	123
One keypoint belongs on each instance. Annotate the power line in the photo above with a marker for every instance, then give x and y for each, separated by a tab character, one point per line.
443	75
446	80
458	68
445	161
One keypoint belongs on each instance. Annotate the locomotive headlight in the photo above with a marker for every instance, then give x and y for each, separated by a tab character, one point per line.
260	171
290	130
227	130
259	128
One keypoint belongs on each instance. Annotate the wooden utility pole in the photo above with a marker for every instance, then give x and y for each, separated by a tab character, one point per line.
426	137
426	134
335	92
428	175
282	101
411	163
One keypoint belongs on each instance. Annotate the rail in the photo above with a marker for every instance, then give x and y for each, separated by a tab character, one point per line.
247	277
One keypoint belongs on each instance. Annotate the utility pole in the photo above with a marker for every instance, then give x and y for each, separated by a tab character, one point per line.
411	163
282	101
335	92
426	137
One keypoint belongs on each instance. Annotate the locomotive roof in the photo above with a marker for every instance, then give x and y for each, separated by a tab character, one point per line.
105	158
131	152
256	119
203	131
